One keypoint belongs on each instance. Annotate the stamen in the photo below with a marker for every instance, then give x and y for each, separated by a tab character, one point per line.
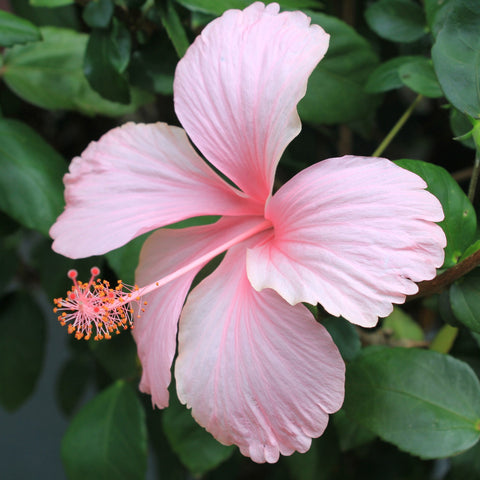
94	308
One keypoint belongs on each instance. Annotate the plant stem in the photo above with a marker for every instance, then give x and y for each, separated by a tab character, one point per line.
396	128
474	179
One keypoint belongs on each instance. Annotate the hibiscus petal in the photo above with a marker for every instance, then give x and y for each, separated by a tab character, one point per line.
237	88
352	234
256	371
164	252
134	179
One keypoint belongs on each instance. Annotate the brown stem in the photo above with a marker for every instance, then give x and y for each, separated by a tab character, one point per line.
448	277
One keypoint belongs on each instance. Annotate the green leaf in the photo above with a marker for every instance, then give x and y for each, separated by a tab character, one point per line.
14	30
461	125
50	3
396	20
31	182
386	77
465	300
100	68
217	7
196	448
173	26
98	13
456	56
436	12
107	438
460	220
420	77
49	74
345	68
402	326
350	433
424	402
22	349
345	336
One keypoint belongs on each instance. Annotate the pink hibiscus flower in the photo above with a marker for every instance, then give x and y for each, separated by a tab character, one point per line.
350	233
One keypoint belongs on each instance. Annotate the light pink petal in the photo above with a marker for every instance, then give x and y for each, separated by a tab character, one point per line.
237	88
257	372
164	252
352	234
134	179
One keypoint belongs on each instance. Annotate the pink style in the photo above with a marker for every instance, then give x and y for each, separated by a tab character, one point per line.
350	233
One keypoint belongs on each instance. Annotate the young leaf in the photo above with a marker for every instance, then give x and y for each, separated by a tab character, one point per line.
107	438
456	56
49	74
396	20
15	30
460	220
345	68
22	348
31	182
424	402
196	448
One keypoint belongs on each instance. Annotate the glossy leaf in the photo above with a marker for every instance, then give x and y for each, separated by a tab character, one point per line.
420	77
98	13
217	7
49	74
396	20
173	26
424	402
107	438
456	56
345	68
386	76
196	448
22	349
15	30
101	68
460	220
31	182
465	300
